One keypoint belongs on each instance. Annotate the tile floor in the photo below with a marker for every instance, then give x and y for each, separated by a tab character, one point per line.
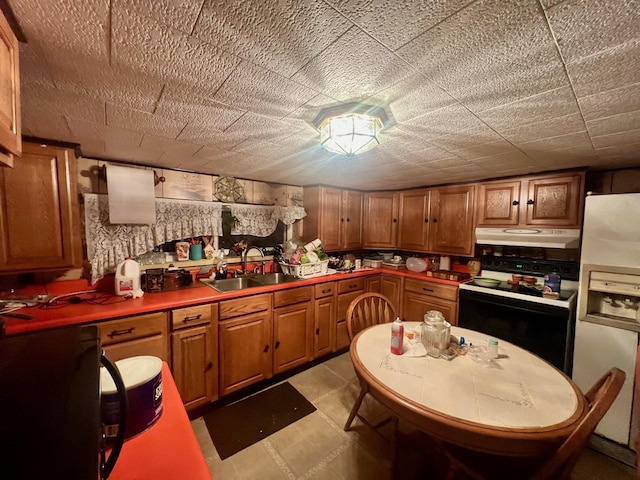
316	447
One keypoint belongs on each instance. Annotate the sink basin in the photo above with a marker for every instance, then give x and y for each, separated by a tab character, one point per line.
249	281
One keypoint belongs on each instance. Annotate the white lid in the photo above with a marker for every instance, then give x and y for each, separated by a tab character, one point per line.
134	371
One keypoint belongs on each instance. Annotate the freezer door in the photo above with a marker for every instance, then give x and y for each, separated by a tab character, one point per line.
611	230
597	349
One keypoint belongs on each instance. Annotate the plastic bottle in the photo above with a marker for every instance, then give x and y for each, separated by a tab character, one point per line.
127	277
397	335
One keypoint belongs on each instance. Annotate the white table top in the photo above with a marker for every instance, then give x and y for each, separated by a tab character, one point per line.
518	389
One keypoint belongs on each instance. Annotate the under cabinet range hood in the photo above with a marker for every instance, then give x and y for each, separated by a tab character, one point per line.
529	237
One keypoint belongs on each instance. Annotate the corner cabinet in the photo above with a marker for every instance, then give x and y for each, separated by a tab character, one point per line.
380	225
43	186
334	216
194	348
438	220
10	137
554	200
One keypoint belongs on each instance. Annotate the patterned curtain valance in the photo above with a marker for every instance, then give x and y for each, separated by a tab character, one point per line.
109	244
262	220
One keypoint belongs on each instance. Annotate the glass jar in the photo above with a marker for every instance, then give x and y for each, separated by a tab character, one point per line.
435	333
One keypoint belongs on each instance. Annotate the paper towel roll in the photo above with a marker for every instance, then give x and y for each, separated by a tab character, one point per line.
131	194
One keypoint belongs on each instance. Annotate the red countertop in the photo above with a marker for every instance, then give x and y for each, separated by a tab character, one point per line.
168	449
45	317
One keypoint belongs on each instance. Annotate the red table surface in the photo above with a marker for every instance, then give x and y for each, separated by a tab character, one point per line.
167	450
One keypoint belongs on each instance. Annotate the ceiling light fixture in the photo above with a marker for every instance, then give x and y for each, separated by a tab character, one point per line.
351	128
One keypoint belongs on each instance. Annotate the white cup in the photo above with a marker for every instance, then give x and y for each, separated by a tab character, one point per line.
397	258
358	263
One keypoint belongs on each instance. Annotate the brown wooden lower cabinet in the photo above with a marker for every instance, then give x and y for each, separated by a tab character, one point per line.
421	296
194	347
136	335
324	327
348	290
245	336
292	328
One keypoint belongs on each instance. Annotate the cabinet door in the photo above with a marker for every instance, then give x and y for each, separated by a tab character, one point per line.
244	352
194	369
344	300
351	219
292	336
452	220
325	326
374	284
10	138
42	186
380	225
413	229
391	287
415	305
138	335
499	203
155	346
331	230
555	200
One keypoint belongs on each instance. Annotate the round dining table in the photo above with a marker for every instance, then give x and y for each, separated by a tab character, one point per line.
516	405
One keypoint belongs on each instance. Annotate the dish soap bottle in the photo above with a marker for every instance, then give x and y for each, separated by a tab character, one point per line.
397	335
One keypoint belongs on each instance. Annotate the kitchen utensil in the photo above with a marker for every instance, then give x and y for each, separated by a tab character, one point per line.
486	282
416	264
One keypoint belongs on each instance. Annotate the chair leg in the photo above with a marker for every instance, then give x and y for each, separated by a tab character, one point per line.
356	407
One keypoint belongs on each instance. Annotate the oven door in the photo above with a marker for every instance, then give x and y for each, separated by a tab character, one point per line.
545	330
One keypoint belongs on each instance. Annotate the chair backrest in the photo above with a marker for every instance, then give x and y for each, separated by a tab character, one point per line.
600	397
368	309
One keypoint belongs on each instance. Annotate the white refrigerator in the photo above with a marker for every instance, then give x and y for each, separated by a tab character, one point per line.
608	319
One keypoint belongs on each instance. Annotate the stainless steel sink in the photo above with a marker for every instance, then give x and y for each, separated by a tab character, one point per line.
249	281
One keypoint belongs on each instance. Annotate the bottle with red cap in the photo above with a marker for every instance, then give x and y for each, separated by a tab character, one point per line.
397	335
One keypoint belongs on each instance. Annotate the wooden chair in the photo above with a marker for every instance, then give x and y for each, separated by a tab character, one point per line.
599	397
368	309
364	311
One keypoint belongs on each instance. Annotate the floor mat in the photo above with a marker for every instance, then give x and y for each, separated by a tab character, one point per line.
241	424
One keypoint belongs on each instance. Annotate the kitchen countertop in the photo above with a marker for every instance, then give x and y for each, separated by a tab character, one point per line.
117	307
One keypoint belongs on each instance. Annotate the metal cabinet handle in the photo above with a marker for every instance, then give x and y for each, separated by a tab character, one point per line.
265	349
342	220
395	220
348	219
427	289
277	344
530	202
191	318
208	367
516	202
317	331
426	220
326	291
435	220
117	333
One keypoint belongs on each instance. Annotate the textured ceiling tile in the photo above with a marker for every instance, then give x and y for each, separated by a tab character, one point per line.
118	151
484	150
71	28
611	102
112	135
441	122
457	139
573	22
253	88
33	66
280	36
630	137
166	54
259	127
354	67
556	142
573	123
395	22
488	46
49	125
209	136
178	14
613	68
169	146
188	106
617	123
410	98
538	108
144	122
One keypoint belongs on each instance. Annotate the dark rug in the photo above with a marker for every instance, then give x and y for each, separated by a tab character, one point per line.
240	425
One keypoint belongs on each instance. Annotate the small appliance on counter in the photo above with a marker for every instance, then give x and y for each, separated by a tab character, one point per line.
165	279
50	405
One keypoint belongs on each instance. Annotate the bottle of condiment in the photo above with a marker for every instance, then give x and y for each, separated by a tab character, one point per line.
397	335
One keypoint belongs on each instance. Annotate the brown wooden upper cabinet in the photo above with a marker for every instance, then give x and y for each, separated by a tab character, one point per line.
334	216
544	200
438	220
41	185
10	138
380	225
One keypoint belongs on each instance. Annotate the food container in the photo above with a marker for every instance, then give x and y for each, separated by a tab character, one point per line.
142	377
372	263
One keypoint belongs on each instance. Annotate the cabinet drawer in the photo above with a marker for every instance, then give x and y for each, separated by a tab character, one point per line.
132	328
244	306
345	286
324	289
446	292
190	316
292	295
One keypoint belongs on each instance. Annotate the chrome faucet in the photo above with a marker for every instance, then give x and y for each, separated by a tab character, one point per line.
244	260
